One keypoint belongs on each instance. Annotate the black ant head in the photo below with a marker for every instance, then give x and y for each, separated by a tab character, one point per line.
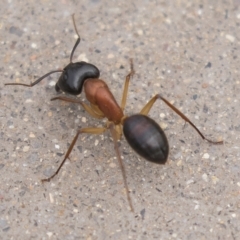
73	76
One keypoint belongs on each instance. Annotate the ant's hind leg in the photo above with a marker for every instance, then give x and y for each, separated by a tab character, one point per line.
145	110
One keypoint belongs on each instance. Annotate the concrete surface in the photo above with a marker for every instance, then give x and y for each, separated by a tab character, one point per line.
186	50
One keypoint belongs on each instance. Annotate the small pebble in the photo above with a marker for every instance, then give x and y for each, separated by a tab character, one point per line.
31	135
110	56
34	45
205	177
205	156
51	198
82	57
49	234
230	38
26	148
52	83
28	100
112	165
215	180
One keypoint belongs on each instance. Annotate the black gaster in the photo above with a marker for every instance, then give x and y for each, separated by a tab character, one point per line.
146	137
73	76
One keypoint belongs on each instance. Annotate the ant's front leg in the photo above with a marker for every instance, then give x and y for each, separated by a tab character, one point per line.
90	109
126	84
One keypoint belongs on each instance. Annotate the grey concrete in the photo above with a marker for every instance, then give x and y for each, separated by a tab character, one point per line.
186	50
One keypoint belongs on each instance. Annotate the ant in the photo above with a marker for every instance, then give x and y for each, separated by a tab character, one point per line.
142	133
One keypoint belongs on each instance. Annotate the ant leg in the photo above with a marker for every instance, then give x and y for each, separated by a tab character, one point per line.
83	130
115	137
36	82
126	84
149	105
86	107
78	39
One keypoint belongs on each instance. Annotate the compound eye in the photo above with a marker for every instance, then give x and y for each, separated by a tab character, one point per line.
57	88
65	76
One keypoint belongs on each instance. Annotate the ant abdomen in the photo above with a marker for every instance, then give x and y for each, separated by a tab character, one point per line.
146	137
73	76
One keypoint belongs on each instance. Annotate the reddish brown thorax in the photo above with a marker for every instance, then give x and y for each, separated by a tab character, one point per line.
98	93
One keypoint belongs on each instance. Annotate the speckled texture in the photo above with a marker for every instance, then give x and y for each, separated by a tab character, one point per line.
189	52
